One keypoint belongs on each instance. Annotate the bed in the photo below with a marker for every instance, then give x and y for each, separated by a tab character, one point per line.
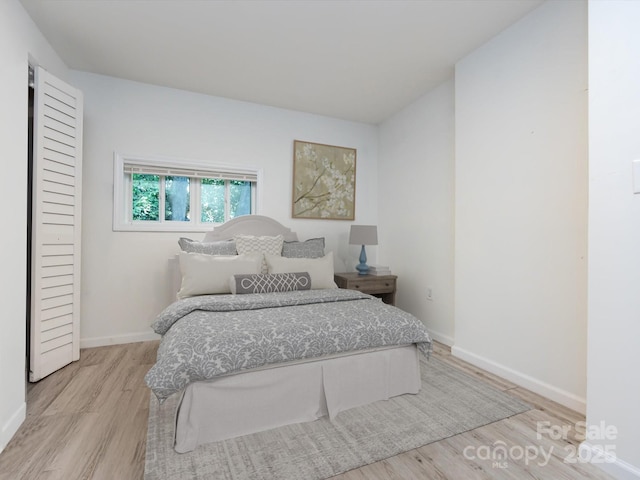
269	340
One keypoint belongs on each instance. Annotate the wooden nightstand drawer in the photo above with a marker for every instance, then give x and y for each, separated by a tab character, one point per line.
374	285
383	286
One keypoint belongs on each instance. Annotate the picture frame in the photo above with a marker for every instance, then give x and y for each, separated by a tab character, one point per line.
324	181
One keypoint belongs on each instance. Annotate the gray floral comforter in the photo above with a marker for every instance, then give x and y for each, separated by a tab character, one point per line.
213	335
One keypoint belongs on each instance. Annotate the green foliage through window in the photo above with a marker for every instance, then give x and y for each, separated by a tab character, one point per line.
212	200
240	201
146	197
220	200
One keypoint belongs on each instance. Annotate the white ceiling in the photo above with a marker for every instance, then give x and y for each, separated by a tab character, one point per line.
357	60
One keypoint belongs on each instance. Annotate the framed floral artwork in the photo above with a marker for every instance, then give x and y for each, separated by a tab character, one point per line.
324	181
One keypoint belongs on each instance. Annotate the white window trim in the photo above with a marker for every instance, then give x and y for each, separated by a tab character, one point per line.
122	221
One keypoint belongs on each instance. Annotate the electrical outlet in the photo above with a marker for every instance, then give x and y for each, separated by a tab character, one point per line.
429	293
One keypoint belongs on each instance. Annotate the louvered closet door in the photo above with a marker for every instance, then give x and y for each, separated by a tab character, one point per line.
57	186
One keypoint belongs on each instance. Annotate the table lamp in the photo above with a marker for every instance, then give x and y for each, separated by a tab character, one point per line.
363	235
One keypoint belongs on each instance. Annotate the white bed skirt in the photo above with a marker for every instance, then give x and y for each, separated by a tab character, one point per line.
259	400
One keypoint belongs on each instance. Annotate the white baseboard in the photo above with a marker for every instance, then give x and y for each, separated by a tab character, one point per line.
439	337
10	428
556	394
118	339
608	462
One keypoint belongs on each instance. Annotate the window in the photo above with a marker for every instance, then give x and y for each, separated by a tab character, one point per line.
173	195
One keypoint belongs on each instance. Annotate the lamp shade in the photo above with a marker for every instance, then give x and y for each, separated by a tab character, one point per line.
363	235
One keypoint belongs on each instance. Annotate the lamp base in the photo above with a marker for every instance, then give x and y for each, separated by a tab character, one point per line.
362	267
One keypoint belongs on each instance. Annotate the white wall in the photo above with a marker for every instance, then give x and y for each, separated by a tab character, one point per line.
521	203
125	273
416	207
613	392
19	39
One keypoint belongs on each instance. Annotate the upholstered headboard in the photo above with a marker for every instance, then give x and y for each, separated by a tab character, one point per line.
250	225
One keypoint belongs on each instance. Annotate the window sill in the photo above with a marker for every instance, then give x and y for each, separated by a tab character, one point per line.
163	227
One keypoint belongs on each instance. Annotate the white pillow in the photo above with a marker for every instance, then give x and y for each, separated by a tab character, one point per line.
204	274
260	244
320	269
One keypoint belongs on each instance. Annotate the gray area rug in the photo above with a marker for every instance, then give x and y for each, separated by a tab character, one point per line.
449	403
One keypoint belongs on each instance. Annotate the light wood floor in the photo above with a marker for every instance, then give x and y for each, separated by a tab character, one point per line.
89	421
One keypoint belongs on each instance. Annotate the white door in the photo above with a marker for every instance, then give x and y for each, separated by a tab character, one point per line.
57	187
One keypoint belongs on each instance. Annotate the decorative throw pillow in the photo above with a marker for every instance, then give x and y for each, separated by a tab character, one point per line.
320	269
271	282
204	274
209	248
259	244
312	248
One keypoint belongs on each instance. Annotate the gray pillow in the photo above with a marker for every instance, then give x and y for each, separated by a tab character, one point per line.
269	282
312	248
209	248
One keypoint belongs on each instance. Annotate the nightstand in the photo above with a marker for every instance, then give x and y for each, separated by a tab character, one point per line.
381	286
